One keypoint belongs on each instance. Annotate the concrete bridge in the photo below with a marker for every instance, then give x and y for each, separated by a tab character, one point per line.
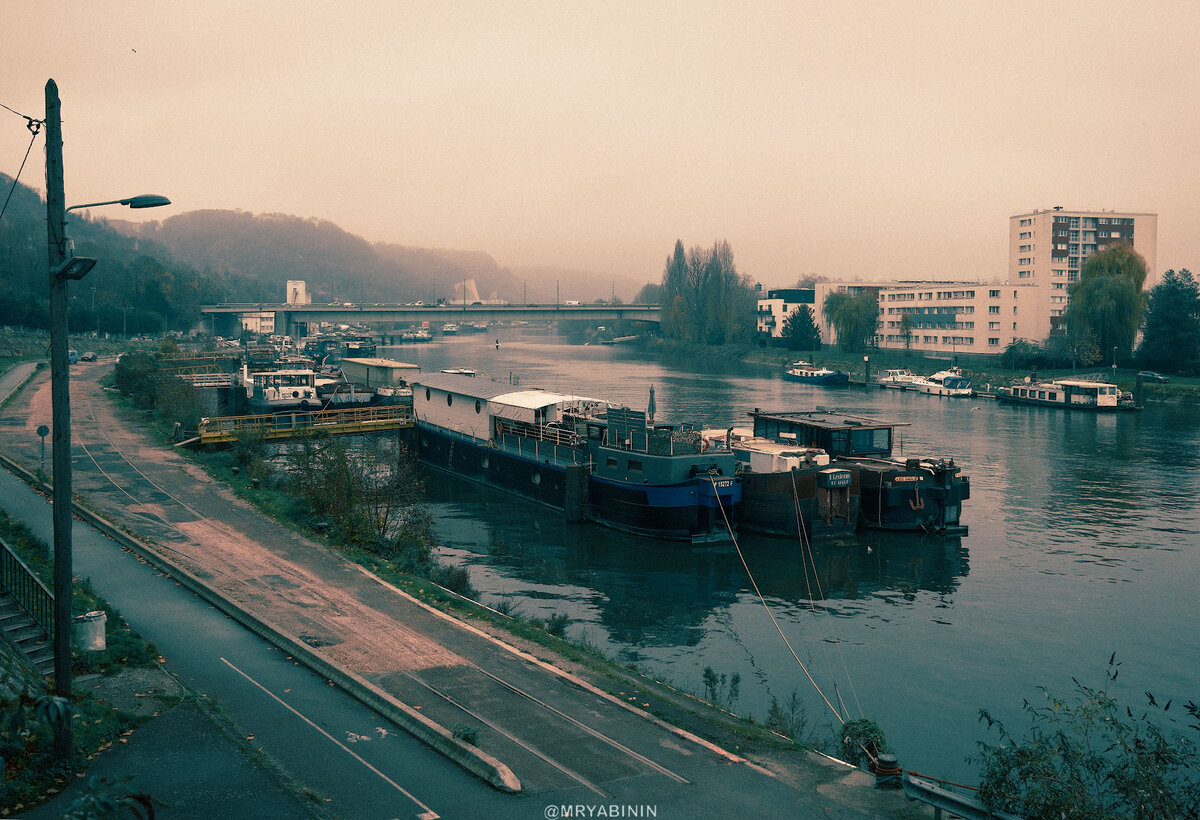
294	320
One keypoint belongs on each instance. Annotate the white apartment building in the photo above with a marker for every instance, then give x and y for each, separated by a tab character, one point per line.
1047	249
773	311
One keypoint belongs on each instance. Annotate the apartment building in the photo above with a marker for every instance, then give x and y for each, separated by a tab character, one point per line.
1047	249
774	310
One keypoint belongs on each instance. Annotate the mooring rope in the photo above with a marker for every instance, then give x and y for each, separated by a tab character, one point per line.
763	601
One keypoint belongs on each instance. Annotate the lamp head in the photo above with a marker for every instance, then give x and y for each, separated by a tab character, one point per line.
74	267
146	201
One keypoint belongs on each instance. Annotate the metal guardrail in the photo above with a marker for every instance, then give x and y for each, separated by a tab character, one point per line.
956	805
26	588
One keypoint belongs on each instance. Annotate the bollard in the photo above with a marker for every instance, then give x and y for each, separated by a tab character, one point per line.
887	771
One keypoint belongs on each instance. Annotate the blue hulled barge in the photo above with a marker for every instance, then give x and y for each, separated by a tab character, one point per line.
593	460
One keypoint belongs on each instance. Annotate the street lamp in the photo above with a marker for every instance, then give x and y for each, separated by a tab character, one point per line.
64	267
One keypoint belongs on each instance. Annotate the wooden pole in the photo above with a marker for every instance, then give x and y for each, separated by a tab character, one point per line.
60	400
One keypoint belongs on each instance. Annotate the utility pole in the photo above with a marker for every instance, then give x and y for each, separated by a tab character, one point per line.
60	399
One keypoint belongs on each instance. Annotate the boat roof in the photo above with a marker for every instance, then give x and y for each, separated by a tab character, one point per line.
463	385
372	361
826	419
1079	383
502	399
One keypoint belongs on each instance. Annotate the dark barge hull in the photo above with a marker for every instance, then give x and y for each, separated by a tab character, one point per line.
769	505
687	511
912	497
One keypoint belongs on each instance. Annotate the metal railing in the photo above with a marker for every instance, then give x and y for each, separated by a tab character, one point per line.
26	588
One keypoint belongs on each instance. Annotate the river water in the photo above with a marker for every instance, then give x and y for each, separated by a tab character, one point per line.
1084	541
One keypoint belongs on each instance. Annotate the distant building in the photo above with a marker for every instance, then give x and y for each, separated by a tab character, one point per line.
1047	249
774	311
297	292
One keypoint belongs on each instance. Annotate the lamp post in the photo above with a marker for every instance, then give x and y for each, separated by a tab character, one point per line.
1114	362
64	267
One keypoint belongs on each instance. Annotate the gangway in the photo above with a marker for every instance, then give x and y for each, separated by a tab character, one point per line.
225	429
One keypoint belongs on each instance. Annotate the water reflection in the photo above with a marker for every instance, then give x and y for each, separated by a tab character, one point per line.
644	592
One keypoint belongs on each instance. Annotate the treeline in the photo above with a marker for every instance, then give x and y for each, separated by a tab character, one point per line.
704	299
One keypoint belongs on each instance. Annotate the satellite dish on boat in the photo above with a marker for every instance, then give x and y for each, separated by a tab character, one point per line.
1026	380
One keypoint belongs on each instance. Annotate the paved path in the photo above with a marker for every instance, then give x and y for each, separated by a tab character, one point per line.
565	741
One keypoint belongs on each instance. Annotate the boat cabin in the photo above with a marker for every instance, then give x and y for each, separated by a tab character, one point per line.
838	434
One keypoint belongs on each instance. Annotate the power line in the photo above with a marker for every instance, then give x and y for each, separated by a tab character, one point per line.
35	128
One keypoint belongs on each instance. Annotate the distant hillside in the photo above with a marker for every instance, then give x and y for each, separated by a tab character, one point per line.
339	266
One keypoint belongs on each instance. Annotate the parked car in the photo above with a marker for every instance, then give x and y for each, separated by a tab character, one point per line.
1151	376
90	356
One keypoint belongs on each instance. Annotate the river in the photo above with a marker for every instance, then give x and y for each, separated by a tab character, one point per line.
1084	541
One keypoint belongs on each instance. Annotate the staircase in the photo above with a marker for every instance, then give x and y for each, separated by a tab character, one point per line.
23	632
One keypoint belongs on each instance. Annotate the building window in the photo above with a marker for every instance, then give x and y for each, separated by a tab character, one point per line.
993	342
993	308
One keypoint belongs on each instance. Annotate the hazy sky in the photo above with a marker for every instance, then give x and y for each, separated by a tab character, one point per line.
874	140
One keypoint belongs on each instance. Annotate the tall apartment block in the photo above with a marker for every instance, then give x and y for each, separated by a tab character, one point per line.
1047	249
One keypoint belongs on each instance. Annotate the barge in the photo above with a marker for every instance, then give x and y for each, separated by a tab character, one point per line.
593	460
904	494
1069	394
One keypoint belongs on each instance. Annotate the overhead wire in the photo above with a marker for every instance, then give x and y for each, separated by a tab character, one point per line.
35	127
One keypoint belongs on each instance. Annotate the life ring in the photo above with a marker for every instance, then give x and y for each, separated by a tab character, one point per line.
704	444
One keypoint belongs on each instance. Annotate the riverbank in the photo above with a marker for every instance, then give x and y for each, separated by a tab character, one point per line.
981	370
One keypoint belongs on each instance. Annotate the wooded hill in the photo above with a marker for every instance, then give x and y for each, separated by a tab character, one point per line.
154	276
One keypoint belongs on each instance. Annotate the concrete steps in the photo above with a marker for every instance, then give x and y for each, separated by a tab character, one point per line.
24	633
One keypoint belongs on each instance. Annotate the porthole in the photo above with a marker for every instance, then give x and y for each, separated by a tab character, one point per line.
426	394
485	462
478	406
536	478
449	399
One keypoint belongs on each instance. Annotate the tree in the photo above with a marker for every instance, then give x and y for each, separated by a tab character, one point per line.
1077	346
1108	298
1171	336
800	331
704	298
854	318
1094	758
906	329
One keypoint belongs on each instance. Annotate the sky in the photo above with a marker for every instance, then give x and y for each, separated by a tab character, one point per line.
868	140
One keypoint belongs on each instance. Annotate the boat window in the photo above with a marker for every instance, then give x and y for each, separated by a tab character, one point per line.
426	394
1053	396
478	406
610	462
449	399
1041	394
635	466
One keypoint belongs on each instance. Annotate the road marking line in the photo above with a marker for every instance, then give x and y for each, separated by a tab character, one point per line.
428	814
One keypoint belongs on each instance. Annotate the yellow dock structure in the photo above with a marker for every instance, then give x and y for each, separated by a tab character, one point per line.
224	429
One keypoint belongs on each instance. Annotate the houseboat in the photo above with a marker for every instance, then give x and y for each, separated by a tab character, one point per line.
1070	394
278	390
789	490
950	382
593	460
915	494
809	373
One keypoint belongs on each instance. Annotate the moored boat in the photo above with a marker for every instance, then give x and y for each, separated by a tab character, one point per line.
894	493
593	460
809	373
899	379
276	390
790	490
1069	394
949	382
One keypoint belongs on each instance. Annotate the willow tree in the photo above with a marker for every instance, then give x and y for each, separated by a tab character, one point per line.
854	318
1108	298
